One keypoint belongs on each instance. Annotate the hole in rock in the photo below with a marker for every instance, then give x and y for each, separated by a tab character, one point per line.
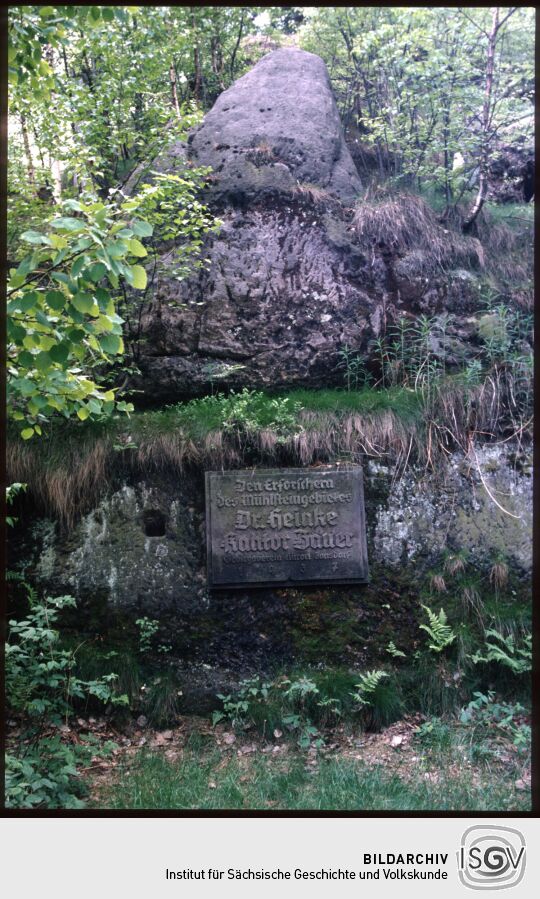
154	523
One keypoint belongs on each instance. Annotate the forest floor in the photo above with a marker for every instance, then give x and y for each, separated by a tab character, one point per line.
196	766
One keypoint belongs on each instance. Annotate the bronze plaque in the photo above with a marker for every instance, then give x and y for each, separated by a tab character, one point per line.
286	526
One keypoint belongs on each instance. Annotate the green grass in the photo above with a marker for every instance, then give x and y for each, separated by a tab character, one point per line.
406	404
201	780
281	413
254	409
515	215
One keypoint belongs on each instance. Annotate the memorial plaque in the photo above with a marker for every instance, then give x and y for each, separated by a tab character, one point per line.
286	526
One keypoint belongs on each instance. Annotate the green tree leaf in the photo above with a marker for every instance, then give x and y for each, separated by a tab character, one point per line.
139	278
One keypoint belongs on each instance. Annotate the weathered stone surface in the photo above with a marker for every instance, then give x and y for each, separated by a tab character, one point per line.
141	552
276	126
277	302
420	518
410	522
287	285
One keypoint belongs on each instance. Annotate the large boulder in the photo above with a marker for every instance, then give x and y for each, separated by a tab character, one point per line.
291	279
284	289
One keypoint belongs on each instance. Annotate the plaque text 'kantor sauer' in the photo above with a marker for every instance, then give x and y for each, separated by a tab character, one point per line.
286	526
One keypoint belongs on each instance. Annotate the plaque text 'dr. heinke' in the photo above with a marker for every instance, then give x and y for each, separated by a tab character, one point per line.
286	526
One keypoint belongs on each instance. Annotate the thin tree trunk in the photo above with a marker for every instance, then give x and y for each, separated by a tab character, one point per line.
196	58
174	94
28	152
56	170
238	39
483	180
217	59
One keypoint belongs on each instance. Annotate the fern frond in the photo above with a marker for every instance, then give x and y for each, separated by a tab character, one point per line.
438	630
394	651
517	658
367	686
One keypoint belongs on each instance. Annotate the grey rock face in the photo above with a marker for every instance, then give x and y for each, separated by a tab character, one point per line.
420	518
144	546
287	284
285	287
141	552
282	113
277	302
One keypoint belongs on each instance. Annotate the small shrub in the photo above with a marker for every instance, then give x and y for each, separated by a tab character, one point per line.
46	774
304	705
486	716
148	627
434	734
434	689
42	689
379	700
354	370
93	661
238	707
162	700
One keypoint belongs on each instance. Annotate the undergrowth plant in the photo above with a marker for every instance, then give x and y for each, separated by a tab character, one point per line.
505	651
12	491
486	715
249	411
43	690
148	628
354	369
303	706
438	630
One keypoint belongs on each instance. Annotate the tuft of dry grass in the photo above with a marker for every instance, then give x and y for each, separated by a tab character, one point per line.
68	471
472	603
67	476
67	487
498	575
405	223
313	192
454	564
438	583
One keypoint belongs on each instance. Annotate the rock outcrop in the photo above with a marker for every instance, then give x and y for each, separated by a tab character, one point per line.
288	284
277	126
142	552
